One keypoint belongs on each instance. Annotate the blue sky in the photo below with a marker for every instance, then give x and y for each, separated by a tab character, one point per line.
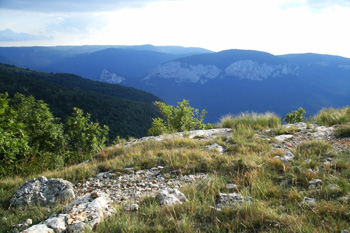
275	26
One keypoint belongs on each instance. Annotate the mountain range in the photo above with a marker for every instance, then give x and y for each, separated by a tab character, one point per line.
230	81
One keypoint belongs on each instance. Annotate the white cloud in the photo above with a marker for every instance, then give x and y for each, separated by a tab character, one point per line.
213	24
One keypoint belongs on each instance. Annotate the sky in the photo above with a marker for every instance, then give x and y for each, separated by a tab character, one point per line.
274	26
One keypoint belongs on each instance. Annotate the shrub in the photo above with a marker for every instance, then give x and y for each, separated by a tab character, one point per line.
179	119
295	116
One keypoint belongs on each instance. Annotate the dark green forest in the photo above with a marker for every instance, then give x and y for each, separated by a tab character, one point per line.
127	112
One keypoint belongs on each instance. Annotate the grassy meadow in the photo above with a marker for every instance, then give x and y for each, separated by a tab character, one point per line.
277	189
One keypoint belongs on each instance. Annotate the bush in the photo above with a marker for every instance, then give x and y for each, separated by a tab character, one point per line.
295	116
179	119
33	140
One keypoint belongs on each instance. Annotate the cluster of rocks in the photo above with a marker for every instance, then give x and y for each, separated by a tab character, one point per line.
303	133
205	135
96	197
134	185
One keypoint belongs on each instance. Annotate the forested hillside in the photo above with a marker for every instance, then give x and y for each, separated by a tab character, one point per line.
127	111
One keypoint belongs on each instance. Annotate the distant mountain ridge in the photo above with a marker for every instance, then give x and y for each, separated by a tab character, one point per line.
230	81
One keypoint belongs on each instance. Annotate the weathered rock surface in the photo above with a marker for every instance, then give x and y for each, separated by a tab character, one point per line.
39	228
228	200
286	158
85	212
88	211
171	197
135	184
196	134
309	201
43	191
216	147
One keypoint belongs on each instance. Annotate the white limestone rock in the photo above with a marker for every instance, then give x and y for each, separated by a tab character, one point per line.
248	69
286	158
171	197
57	223
183	72
43	191
283	137
309	201
216	147
87	211
39	228
110	77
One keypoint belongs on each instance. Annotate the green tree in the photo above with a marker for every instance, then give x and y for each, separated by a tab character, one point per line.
84	137
295	116
179	119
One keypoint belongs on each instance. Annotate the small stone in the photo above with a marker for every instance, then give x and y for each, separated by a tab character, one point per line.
333	186
309	201
231	186
28	222
131	208
283	137
316	182
94	195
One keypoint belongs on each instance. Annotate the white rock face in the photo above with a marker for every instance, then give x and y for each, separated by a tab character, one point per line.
255	71
244	69
185	72
110	77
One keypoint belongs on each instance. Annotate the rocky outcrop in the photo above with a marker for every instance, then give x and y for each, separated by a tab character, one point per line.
110	77
204	135
200	73
132	186
84	213
248	69
43	191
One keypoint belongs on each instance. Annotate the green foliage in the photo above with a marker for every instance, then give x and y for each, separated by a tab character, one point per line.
332	116
84	136
179	119
295	116
252	120
32	140
127	111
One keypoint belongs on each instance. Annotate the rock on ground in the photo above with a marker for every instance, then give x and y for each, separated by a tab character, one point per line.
43	191
171	197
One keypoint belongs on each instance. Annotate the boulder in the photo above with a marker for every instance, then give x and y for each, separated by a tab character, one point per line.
42	192
225	200
57	223
87	211
39	228
171	197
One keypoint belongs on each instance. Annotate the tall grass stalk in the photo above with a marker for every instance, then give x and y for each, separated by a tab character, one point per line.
253	120
332	116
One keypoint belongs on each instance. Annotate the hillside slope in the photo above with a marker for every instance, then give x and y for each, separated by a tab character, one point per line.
127	111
